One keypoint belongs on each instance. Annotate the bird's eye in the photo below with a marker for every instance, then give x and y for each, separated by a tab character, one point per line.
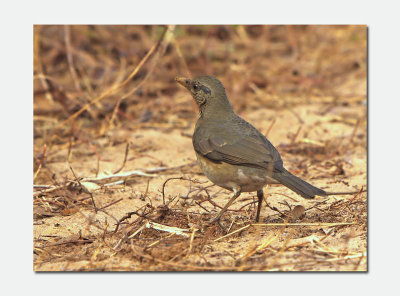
195	87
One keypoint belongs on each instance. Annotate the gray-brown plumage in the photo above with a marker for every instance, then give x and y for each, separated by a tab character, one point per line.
231	152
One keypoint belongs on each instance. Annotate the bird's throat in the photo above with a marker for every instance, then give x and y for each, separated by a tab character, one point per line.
217	109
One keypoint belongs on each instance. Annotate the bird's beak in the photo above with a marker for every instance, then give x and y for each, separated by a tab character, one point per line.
185	82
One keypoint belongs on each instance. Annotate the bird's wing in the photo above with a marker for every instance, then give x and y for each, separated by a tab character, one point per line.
237	148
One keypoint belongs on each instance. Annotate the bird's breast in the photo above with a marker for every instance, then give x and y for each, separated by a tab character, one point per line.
231	177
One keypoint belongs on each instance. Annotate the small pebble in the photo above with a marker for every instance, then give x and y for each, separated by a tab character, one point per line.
298	212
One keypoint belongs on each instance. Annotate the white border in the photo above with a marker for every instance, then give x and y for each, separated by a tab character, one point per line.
16	148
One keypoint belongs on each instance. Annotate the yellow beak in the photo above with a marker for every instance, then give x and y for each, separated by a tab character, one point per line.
185	82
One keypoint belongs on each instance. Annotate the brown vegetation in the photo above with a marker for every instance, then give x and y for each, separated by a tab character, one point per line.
117	186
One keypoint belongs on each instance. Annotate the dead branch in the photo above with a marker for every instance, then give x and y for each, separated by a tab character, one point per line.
125	158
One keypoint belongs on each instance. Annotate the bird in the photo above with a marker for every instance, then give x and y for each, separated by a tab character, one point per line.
231	152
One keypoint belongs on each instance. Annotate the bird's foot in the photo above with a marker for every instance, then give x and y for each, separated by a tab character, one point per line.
213	220
216	220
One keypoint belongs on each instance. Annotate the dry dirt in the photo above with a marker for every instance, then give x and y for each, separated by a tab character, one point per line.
317	121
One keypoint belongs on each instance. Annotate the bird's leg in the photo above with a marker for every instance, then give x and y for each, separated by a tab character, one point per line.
260	195
236	194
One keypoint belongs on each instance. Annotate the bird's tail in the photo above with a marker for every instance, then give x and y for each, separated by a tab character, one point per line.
299	186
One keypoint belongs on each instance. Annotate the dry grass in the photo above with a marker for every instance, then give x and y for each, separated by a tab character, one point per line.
117	186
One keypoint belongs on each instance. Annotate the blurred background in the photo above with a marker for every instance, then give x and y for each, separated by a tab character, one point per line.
261	66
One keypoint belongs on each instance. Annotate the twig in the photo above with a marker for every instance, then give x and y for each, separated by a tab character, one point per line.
199	204
69	151
126	238
249	203
38	64
43	186
305	224
191	241
285	224
218	206
166	181
285	203
153	225
294	113
275	209
119	175
182	58
285	195
147	188
159	240
347	192
233	232
110	204
114	88
115	219
295	135
317	204
354	130
270	127
128	215
40	161
175	230
67	39
75	241
270	238
168	34
125	158
116	108
113	183
83	187
48	190
162	169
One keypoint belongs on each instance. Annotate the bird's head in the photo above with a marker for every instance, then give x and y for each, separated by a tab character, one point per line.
208	92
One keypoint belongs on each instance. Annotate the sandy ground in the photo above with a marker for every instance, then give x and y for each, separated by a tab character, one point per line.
69	235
